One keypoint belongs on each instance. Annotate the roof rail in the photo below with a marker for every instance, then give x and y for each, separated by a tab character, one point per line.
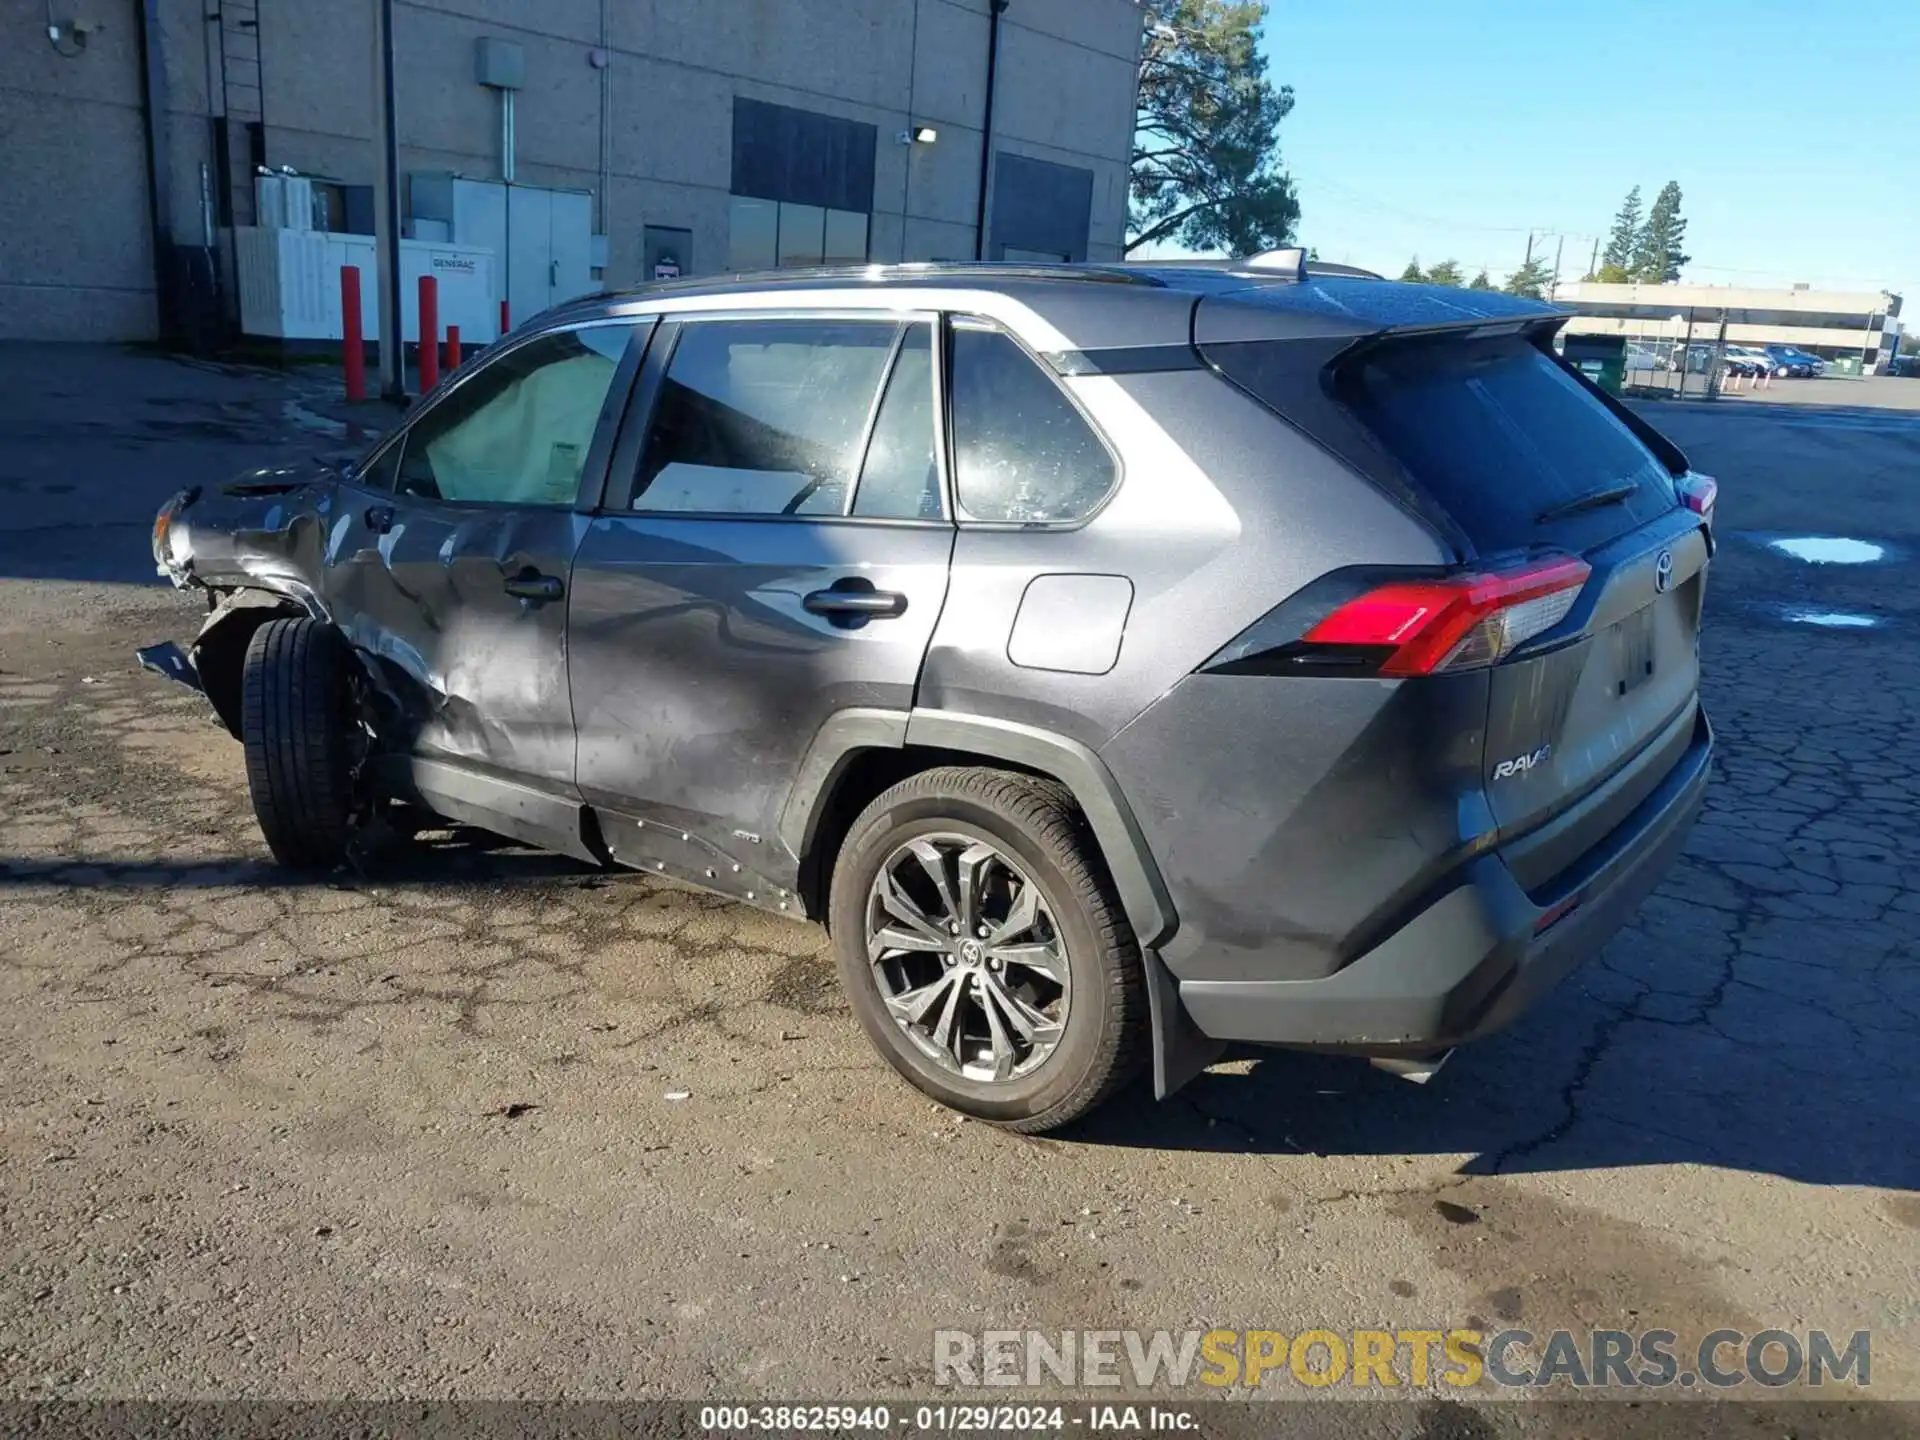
799	276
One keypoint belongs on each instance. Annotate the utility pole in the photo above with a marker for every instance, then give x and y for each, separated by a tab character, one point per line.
1559	246
1593	261
386	208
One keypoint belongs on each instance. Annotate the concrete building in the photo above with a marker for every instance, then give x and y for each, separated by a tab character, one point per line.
1833	324
709	134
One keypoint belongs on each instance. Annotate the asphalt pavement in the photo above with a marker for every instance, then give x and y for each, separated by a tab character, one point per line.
483	1123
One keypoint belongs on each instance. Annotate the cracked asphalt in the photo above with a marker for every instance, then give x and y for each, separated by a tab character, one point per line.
483	1123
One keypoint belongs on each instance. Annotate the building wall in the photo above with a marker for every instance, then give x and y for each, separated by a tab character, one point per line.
1831	323
71	146
72	161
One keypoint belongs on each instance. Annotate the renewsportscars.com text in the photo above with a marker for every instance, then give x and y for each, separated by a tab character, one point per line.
1388	1359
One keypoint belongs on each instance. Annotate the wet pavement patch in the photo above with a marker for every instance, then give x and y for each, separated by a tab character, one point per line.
1828	549
1827	619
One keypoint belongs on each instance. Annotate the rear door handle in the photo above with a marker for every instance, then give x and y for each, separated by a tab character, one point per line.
856	604
531	585
379	518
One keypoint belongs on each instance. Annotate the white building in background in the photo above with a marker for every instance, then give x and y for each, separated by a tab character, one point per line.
1833	324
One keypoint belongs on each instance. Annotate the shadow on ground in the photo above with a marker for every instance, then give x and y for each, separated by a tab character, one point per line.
459	857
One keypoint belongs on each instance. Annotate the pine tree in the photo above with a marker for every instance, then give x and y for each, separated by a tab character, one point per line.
1447	272
1480	281
1657	256
1206	144
1626	233
1531	279
1413	272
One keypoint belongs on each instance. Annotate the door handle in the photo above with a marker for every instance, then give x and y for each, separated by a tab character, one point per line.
531	585
850	604
379	518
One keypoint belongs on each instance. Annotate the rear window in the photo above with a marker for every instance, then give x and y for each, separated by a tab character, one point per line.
1507	442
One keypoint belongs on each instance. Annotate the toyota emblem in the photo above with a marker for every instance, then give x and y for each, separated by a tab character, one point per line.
1663	572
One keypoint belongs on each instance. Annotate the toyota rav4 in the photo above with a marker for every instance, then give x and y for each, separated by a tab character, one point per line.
1120	661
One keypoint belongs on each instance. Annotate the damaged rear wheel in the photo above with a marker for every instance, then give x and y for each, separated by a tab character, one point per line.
301	728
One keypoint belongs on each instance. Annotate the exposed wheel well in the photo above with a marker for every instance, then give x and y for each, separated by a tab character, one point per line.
865	774
220	650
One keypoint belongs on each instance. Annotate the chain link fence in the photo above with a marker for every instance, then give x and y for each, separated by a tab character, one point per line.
1688	356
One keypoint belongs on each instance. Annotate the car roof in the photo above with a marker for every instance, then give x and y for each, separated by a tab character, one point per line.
1097	305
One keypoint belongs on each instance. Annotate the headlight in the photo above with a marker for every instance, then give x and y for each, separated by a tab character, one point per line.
163	526
162	523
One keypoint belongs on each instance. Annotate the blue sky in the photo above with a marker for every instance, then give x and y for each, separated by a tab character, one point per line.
1450	129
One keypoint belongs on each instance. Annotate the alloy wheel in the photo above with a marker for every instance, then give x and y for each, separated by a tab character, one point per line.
967	957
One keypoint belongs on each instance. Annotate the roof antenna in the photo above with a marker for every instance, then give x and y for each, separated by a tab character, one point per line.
1291	262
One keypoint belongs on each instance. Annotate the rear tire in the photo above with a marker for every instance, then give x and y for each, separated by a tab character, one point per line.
1029	1043
298	726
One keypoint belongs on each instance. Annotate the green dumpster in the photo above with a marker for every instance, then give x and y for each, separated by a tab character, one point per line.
1601	358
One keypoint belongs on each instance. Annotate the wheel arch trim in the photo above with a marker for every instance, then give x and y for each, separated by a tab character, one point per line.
1143	894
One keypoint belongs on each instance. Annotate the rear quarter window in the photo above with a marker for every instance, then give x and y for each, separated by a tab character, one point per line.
1022	451
1506	442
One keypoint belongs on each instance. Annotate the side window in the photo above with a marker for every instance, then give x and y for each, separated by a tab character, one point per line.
1021	451
518	430
383	471
763	417
901	479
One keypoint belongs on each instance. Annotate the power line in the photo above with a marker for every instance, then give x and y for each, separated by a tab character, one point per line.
1418	217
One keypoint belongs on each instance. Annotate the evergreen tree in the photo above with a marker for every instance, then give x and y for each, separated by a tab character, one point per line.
1413	272
1626	234
1480	281
1657	256
1447	272
1206	144
1531	279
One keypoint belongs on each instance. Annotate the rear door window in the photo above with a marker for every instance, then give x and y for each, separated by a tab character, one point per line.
1507	442
901	477
764	417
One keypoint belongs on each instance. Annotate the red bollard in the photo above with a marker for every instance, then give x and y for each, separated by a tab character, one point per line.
429	333
453	348
353	344
504	325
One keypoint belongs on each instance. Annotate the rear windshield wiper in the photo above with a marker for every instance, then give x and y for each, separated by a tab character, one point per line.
1592	500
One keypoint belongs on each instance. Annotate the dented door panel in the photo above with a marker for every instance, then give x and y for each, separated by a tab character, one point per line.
480	674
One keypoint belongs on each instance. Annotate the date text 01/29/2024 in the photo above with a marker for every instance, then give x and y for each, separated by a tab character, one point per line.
947	1419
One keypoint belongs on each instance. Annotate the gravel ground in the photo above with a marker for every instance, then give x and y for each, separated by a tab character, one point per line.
484	1123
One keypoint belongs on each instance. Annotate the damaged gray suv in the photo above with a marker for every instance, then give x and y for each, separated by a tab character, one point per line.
1120	661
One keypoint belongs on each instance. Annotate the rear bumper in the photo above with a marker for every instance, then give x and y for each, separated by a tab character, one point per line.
1476	957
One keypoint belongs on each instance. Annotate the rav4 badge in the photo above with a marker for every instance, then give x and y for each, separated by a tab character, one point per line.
1521	764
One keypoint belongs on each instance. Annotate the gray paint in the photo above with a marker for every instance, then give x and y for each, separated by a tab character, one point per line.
1040	205
1471	962
1072	623
1317	861
1142	893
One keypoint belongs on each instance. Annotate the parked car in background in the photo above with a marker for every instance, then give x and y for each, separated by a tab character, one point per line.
1746	363
1121	661
1791	360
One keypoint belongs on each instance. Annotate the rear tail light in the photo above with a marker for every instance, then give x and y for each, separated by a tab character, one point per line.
1697	493
1422	627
